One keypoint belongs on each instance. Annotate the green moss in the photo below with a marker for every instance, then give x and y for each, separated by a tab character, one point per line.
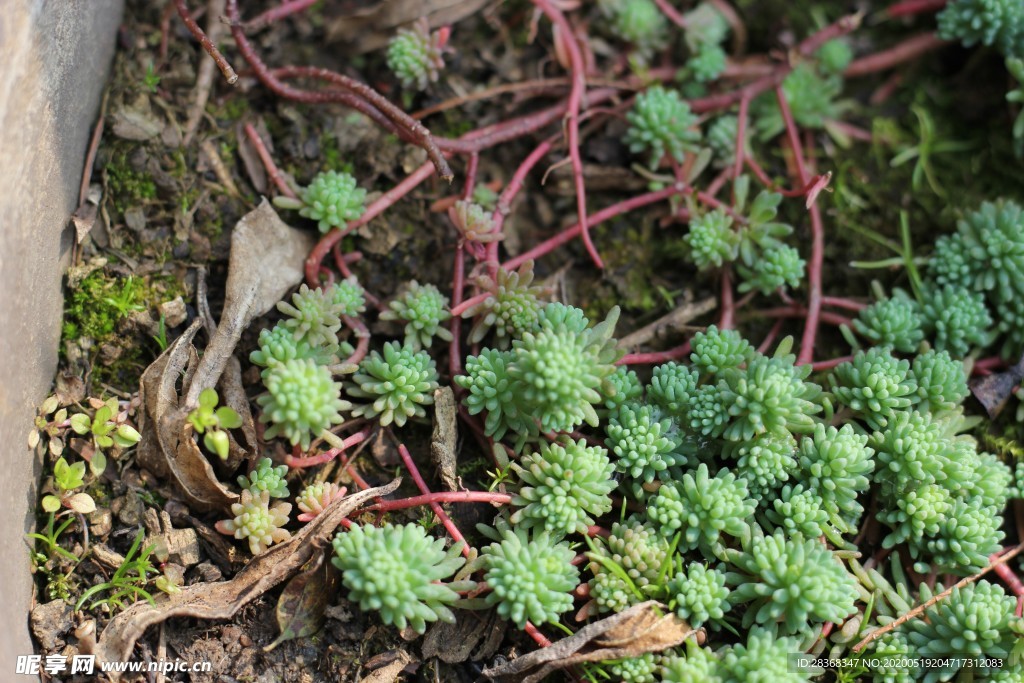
125	185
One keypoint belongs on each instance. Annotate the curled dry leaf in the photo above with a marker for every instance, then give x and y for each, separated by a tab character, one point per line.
994	391
300	609
641	628
389	672
266	261
371	28
474	636
445	436
223	599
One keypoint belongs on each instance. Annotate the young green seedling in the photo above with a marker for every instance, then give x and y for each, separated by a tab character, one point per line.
212	422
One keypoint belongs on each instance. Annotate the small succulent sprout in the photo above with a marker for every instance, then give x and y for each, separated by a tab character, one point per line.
699	595
531	579
661	123
705	25
633	549
312	317
347	297
416	56
895	658
399	571
474	222
811	100
967	536
619	388
491	390
769	396
765	463
212	422
941	380
712	240
957	320
645	444
836	464
991	483
895	322
834	56
106	428
399	382
703	508
512	308
565	485
875	385
302	401
256	520
762	232
950	262
708	63
994	23
699	665
332	199
278	344
708	415
1015	66
423	308
799	510
67	479
721	138
640	669
973	621
764	657
992	241
313	499
793	581
779	267
266	477
672	387
639	22
918	514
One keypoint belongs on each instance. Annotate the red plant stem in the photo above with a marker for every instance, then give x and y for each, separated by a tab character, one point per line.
382	203
537	636
362	334
909	49
207	44
841	302
571	233
671	12
829	364
268	162
504	206
366	98
741	132
655	357
328	455
908	8
725	322
455	326
579	86
759	172
273	14
453	530
798	311
463	306
442	497
772	335
817	259
990	363
1007	575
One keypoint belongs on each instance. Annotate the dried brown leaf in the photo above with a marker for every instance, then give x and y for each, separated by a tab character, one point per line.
445	437
995	390
641	628
389	672
474	635
223	599
371	28
300	609
232	395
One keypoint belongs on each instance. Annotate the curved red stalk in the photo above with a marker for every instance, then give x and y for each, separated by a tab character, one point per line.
442	497
328	455
655	357
453	530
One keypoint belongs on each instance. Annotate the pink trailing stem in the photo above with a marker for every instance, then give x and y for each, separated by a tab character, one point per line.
829	364
207	44
990	363
442	497
453	530
455	325
342	261
462	307
276	176
671	13
909	49
741	133
725	322
579	86
841	302
378	207
285	9
330	454
655	357
772	335
362	334
817	259
537	636
612	211
908	8
1007	575
798	311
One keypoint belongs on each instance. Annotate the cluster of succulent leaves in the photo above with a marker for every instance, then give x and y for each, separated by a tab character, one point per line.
213	422
416	56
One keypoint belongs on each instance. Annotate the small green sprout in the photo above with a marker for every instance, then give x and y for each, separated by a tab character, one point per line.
68	479
997	23
423	308
661	122
128	582
332	199
416	56
212	422
266	477
255	519
107	429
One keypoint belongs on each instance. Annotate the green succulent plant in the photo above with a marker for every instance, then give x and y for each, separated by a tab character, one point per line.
973	621
791	580
302	401
644	445
266	477
212	422
400	381
896	656
699	665
313	499
399	571
912	450
512	308
423	308
416	56
763	658
967	536
918	514
708	63
875	385
312	317
895	322
712	240
278	344
699	595
257	521
996	23
639	669
778	267
714	350
991	481
834	56
1015	66
941	380
799	511
347	297
491	390
836	464
811	99
672	387
531	578
765	463
332	199
661	123
956	320
565	485
618	389
721	137
703	507
639	22
633	549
